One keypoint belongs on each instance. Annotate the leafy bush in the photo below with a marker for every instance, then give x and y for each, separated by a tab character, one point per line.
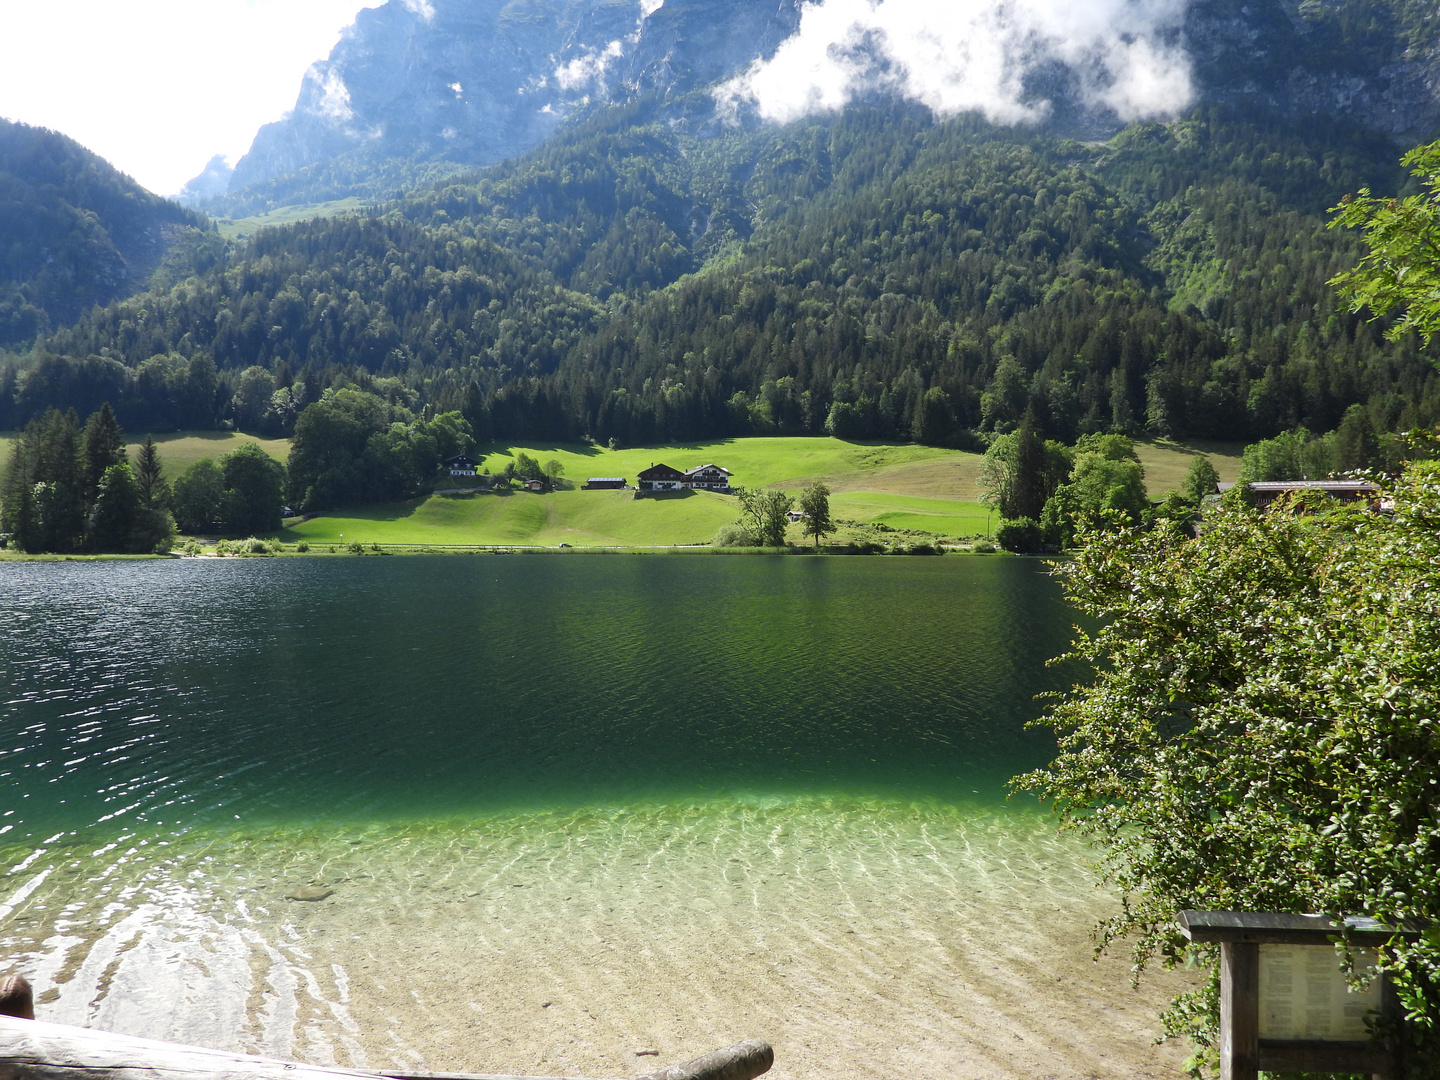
1019	535
733	535
302	547
984	547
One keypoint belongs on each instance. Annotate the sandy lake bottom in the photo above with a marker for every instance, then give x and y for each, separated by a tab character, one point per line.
862	939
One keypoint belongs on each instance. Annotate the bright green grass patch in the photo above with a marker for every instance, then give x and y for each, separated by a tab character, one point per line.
241	228
788	463
945	517
578	518
616	518
178	450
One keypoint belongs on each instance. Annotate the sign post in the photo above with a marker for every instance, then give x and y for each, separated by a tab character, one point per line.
1284	1003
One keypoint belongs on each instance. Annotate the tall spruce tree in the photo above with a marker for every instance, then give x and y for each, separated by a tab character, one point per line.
150	476
104	447
1029	488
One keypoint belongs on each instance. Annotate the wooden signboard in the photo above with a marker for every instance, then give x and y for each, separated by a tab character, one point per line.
1285	1005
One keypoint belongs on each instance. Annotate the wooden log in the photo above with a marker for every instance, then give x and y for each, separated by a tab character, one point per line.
38	1050
743	1061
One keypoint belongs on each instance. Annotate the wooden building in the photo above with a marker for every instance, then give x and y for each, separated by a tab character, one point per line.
660	478
604	483
461	465
708	478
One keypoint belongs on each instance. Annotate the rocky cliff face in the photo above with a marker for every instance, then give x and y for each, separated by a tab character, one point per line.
476	81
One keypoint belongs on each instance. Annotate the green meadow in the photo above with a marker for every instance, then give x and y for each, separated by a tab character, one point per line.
243	228
876	490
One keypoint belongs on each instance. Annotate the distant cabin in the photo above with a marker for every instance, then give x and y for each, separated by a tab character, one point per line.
708	477
1345	491
461	465
660	478
536	485
604	483
793	516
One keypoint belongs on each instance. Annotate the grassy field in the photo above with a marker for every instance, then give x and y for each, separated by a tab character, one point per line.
879	488
241	228
894	488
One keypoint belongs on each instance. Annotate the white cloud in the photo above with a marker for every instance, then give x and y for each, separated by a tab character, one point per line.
158	87
334	102
969	55
587	67
423	8
649	7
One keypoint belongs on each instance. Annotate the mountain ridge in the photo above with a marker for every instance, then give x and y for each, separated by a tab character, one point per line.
462	86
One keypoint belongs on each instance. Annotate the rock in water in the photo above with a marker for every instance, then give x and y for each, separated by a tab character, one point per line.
310	893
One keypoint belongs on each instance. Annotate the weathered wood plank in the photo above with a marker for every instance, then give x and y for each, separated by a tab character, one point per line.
37	1050
1282	928
1239	1011
743	1061
1339	1057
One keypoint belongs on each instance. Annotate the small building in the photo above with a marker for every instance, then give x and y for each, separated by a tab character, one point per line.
793	516
1266	492
604	483
708	478
461	465
536	486
660	478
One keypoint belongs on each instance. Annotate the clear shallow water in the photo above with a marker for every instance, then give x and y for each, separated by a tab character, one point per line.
565	807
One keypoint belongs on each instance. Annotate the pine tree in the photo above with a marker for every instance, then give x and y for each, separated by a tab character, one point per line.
149	475
1028	491
104	447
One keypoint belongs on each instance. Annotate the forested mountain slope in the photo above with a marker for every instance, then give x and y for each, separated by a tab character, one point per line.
873	273
74	231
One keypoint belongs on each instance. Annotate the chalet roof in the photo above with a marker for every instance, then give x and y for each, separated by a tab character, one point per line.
603	479
659	470
460	459
707	468
1337	486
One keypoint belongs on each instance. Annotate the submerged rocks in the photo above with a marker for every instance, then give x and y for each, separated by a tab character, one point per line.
310	893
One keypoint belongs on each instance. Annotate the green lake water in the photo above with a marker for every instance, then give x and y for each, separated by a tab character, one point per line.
581	772
196	694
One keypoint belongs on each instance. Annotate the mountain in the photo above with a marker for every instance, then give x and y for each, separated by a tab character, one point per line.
465	83
658	269
76	231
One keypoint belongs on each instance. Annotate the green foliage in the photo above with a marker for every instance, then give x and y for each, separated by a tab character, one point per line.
198	495
871	274
149	475
1291	455
1400	273
815	505
764	515
1021	535
352	446
76	231
254	490
1257	730
1200	480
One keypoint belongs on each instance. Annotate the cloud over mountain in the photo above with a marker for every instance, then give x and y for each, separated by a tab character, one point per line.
1124	55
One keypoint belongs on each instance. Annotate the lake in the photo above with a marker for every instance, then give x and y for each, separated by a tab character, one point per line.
562	809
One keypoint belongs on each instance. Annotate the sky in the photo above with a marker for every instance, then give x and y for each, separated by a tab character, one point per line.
158	87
